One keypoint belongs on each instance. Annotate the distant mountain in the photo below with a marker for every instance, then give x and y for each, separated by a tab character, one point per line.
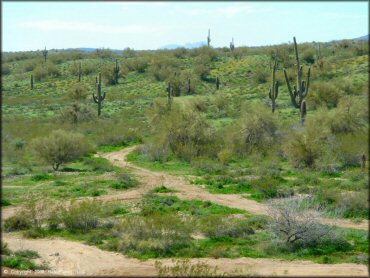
189	45
363	38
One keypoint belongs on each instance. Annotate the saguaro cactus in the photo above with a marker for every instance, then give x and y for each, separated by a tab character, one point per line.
169	94
45	54
99	97
301	89
274	89
79	72
209	38
363	162
303	111
232	46
116	71
188	89
31	82
217	83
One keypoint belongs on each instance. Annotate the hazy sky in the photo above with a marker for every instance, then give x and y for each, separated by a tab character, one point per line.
150	25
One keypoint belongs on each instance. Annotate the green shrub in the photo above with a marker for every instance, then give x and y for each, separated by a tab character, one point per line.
254	131
17	222
60	147
5	69
41	177
81	216
39	73
324	93
78	92
125	181
154	236
98	164
260	75
214	227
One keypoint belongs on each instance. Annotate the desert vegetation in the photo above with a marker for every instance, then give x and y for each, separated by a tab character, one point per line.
283	127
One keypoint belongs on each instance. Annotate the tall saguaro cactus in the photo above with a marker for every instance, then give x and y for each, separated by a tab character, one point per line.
45	54
217	83
209	38
300	91
274	89
31	82
169	94
232	46
99	97
188	89
79	72
116	71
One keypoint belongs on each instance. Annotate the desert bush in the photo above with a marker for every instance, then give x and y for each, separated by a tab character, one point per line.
308	56
208	52
260	75
353	204
53	70
40	72
125	180
157	235
81	216
78	92
324	93
109	76
350	115
293	222
103	53
137	64
77	113
16	223
98	164
214	227
60	147
163	67
184	268
255	130
180	52
30	65
128	53
182	131
5	69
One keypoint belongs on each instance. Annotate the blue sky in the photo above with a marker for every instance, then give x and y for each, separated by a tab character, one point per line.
150	25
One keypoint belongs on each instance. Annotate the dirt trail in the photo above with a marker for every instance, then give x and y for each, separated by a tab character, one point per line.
74	258
189	191
150	179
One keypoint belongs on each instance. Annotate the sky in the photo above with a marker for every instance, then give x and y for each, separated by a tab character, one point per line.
151	25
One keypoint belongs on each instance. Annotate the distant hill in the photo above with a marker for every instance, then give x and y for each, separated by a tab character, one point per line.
189	45
363	38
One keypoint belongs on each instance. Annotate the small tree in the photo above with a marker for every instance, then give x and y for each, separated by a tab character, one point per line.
60	147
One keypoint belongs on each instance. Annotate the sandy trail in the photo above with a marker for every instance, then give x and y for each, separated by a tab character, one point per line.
150	179
74	258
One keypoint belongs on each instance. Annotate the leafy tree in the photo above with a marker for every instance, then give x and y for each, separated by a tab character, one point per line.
60	147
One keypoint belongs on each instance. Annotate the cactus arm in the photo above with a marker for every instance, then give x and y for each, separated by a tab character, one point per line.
308	81
103	97
276	89
270	96
292	97
95	98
